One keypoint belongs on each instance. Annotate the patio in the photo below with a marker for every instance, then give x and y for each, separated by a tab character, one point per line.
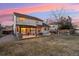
28	36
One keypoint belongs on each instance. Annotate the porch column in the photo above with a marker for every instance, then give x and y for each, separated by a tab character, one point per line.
36	31
19	29
14	25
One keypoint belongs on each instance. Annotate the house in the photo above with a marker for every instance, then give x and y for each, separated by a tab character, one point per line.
76	27
45	27
7	30
27	25
53	26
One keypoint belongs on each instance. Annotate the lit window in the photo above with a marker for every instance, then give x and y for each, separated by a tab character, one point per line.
21	19
23	30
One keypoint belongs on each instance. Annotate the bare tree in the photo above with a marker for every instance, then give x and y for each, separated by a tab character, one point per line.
60	16
62	19
57	14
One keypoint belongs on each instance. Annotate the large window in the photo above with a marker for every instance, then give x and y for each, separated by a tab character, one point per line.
23	30
21	18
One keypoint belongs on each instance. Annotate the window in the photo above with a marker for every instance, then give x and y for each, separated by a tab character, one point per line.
23	30
21	18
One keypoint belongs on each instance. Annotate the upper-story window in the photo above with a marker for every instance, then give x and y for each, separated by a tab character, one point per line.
21	18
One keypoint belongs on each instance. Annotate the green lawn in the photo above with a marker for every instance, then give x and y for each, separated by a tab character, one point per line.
43	46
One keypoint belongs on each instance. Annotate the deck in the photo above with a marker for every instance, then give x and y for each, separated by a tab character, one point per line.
28	36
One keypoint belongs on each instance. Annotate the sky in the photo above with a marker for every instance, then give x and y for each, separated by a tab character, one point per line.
40	10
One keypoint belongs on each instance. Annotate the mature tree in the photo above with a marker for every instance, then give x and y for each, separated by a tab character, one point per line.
63	20
66	23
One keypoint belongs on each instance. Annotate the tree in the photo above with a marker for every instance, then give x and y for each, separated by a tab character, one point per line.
63	20
57	14
66	23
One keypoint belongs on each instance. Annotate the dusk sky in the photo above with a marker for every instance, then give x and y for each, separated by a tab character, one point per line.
40	10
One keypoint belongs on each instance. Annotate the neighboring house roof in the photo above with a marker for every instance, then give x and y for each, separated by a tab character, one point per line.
45	25
27	16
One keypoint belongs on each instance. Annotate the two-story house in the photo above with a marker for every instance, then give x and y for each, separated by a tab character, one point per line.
27	25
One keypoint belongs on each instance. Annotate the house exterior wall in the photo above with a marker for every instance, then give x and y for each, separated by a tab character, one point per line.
77	29
45	29
53	27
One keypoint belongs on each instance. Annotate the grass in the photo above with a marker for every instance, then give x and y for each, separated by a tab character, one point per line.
43	46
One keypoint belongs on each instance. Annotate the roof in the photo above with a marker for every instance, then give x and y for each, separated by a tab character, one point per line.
45	25
27	16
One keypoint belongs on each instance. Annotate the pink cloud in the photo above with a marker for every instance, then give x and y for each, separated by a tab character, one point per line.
4	18
39	8
7	23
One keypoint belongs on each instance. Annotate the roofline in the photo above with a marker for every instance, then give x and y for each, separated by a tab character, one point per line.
23	15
